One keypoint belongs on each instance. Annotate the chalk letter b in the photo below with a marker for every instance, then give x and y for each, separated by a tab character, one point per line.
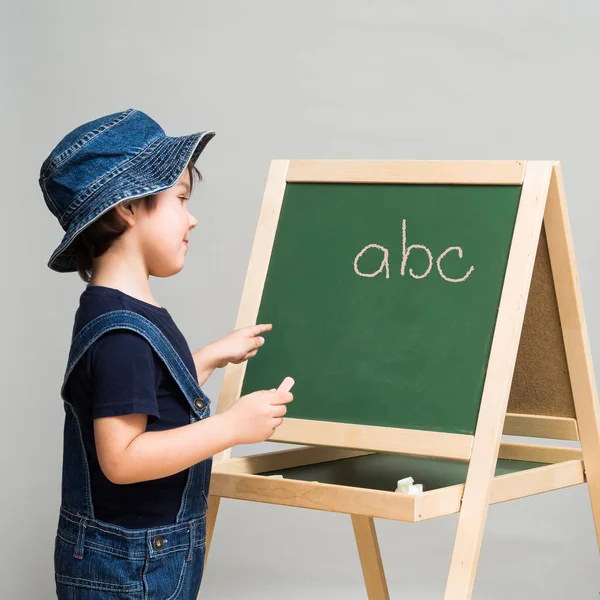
406	252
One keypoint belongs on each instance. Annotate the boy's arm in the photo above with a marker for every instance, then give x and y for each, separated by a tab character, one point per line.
205	363
127	453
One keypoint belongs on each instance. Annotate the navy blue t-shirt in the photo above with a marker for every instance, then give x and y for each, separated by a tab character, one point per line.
121	374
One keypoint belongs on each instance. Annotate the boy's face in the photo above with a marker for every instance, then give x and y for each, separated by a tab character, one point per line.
164	232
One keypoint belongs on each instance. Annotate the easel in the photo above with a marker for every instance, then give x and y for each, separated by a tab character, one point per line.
540	343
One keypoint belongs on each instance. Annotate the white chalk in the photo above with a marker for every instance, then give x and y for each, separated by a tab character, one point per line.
408	486
286	385
275	476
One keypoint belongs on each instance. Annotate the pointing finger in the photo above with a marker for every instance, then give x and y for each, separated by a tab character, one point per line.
257	329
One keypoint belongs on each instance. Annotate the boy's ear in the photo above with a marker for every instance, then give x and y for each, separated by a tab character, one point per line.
125	210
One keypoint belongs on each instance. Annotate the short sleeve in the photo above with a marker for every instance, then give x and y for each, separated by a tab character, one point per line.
123	375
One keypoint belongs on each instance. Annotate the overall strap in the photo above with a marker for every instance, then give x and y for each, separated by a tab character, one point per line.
126	319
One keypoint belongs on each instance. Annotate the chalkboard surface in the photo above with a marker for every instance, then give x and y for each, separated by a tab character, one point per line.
373	331
381	471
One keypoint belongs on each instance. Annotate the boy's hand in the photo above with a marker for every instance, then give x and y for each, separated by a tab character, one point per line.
254	417
238	346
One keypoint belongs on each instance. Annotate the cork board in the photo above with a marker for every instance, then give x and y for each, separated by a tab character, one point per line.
541	384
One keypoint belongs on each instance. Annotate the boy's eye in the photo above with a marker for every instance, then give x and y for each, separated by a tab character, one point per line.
183	198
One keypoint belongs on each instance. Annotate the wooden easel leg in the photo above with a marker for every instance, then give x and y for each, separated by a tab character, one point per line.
211	518
575	336
370	557
465	556
496	390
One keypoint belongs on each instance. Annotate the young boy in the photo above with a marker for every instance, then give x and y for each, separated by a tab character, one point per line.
138	440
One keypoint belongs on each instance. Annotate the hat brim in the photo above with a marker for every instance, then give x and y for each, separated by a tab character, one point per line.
156	169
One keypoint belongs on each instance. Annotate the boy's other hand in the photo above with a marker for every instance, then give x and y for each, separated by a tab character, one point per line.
238	346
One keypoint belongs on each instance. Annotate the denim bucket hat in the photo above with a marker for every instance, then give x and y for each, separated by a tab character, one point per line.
106	161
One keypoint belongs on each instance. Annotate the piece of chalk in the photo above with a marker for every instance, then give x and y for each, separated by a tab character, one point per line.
286	385
408	486
275	476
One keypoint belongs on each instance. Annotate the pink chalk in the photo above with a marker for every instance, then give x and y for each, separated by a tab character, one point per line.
286	385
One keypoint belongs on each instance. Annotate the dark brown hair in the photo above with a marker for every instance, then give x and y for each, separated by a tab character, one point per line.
99	236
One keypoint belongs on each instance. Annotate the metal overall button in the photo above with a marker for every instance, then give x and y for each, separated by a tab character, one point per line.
158	542
199	404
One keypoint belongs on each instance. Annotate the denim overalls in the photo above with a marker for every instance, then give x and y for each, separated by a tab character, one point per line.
95	560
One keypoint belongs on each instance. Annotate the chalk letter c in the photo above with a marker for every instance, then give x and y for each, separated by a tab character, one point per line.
460	254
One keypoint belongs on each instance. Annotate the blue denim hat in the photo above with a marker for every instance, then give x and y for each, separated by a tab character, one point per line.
106	161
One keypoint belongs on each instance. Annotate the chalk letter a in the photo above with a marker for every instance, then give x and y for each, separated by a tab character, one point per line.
384	263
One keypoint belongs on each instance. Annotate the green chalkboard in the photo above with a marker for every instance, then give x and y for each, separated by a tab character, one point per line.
397	350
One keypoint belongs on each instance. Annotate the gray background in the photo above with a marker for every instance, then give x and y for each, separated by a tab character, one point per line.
418	80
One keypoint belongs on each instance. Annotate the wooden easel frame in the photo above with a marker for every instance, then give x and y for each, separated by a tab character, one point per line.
542	202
